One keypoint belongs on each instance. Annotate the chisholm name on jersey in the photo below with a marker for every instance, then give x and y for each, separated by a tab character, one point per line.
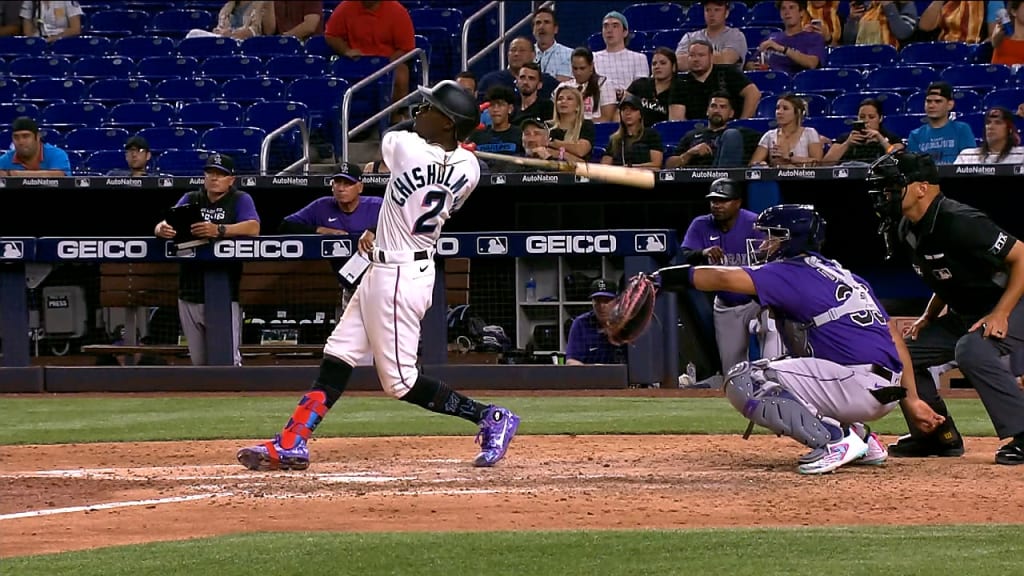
409	181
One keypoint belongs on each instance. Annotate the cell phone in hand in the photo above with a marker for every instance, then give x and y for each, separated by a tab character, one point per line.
859	126
816	23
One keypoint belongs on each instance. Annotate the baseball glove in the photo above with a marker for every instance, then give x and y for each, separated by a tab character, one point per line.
631	311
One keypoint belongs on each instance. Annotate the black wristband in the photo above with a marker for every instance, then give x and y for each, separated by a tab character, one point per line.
676	278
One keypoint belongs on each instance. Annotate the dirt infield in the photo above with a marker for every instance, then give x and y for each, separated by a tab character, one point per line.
73	497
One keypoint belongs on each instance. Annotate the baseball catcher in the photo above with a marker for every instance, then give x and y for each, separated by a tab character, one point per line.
847	358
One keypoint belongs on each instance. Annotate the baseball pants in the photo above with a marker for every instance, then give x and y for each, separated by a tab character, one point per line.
193	326
732	333
346	297
842	393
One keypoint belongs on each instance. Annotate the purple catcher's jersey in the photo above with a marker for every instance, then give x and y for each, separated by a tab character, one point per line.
804	289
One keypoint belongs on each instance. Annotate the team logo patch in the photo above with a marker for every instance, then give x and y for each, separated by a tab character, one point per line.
840	173
753	174
335	248
12	250
492	245
498	179
649	243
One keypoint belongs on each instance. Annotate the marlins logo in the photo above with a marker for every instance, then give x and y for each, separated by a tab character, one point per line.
650	243
492	245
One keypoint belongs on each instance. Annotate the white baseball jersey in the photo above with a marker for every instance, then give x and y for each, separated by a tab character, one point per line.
427	186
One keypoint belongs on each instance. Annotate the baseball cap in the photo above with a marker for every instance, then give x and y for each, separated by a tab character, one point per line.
136	142
940	88
221	162
918	168
23	124
618	16
533	121
631	100
725	189
349	171
602	287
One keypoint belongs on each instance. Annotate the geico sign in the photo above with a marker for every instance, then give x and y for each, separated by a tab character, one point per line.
447	246
72	249
258	249
584	244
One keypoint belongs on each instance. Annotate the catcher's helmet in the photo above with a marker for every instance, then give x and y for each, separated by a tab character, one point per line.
452	100
789	230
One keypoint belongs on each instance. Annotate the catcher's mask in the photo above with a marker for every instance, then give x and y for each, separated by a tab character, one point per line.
786	231
888	178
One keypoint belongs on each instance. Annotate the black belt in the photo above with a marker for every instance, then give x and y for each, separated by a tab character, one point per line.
888	393
883	372
420	255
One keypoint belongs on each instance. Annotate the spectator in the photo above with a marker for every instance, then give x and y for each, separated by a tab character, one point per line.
298	18
868	141
587	342
993	12
531	105
616	62
520	52
570	130
793	49
537	144
598	92
137	156
555	59
792	143
51	20
467	80
956	20
374	28
10	18
501	137
714	145
1009	48
632	144
730	45
706	78
822	17
662	93
237	19
941	138
1001	144
883	22
29	156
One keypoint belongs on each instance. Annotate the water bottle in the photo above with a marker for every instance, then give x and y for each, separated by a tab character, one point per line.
1003	17
691	371
531	290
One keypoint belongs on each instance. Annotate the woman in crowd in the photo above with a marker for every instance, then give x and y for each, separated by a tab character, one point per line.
880	22
632	144
598	92
956	20
1002	141
238	19
865	143
822	17
662	93
1009	48
792	143
570	131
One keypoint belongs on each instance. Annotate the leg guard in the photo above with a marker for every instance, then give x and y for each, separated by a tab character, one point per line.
751	391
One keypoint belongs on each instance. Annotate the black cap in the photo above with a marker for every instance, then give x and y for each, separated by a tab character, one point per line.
725	189
602	287
533	121
221	162
136	142
918	168
631	100
940	88
349	171
24	123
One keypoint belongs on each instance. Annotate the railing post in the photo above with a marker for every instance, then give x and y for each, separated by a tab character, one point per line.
502	51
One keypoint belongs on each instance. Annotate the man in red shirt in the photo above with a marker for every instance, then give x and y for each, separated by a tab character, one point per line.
381	28
299	18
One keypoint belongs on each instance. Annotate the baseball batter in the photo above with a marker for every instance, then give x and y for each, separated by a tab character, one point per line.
431	178
850	365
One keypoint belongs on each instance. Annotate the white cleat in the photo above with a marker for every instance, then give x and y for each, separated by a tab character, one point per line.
837	454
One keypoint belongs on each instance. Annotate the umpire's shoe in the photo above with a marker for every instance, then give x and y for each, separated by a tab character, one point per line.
272	456
909	447
497	429
1013	453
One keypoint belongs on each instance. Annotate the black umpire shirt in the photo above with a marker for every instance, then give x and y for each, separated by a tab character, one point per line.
960	254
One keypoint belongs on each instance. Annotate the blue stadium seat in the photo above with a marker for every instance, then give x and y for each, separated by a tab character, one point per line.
242	143
205	115
902	79
39	67
50	135
138	115
92	139
183	90
114	91
297	66
68	90
9	89
72	115
761	125
1009	98
322	97
667	38
902	124
118	23
207	46
935	53
76	160
78	46
8	112
267	46
849	104
829	126
447	18
356	70
18	46
769	81
967	101
139	47
860	55
764	14
693	17
673	131
103	161
976	121
738	12
182	162
228	67
245	91
603	132
177	23
443	57
270	116
757	34
979	77
828	81
817	105
317	46
170	137
98	67
655	16
163	67
596	153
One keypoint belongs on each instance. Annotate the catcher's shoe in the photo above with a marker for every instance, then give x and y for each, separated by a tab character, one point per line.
876	454
497	429
272	456
838	454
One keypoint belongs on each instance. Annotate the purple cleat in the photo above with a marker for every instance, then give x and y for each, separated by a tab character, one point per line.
272	456
496	432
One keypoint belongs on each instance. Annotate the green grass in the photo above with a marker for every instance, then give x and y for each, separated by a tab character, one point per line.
63	419
925	551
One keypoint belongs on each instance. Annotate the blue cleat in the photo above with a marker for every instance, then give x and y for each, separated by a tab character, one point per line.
272	456
497	429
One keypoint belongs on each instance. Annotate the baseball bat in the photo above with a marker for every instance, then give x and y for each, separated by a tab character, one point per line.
624	175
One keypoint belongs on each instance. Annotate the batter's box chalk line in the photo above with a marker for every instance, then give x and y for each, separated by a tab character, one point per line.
112	505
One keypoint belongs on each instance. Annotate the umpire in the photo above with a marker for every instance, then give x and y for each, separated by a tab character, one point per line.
976	271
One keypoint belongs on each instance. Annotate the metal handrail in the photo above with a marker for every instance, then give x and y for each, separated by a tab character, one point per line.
265	148
465	33
346	102
500	40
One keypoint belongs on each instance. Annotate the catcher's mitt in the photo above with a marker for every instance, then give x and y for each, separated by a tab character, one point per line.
631	311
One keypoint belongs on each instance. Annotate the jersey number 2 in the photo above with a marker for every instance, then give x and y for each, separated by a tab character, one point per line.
434	202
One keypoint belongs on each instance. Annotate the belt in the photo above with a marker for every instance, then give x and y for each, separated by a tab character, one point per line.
882	371
887	394
398	257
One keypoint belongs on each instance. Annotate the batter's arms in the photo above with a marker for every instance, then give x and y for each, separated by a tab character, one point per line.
996	322
915	408
366	241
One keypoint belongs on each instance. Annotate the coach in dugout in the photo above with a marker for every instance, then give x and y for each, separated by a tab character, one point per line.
588	343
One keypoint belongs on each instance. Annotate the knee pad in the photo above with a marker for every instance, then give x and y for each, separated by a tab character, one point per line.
752	391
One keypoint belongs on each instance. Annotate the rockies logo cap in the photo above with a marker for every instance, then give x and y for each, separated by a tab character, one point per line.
349	171
220	162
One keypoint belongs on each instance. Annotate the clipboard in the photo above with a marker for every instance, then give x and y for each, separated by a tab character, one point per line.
181	218
354	269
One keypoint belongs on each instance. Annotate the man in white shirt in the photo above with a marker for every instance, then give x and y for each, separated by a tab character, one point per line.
730	44
555	59
51	20
617	63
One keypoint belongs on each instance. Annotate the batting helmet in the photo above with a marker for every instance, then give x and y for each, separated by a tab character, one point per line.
456	103
789	230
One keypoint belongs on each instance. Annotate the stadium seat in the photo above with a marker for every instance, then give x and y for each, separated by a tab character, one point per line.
976	121
50	135
39	67
205	115
297	66
103	161
138	47
447	18
8	112
268	46
322	97
356	70
673	131
163	67
98	67
444	56
317	46
667	38
242	143
246	91
761	125
769	81
177	23
693	17
182	162
68	90
902	79
92	139
1009	98
228	67
138	115
19	46
207	46
967	102
764	14
903	124
184	90
9	89
79	46
828	81
170	137
655	16
118	23
72	115
738	12
817	105
596	153
829	126
603	132
935	53
757	34
269	116
114	91
861	55
979	77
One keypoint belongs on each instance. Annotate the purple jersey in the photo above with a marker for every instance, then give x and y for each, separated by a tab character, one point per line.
704	233
589	345
798	291
326	212
810	43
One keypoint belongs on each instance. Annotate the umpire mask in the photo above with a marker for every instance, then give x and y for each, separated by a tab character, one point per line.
886	187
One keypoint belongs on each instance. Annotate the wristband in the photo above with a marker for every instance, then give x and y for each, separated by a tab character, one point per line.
785	51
